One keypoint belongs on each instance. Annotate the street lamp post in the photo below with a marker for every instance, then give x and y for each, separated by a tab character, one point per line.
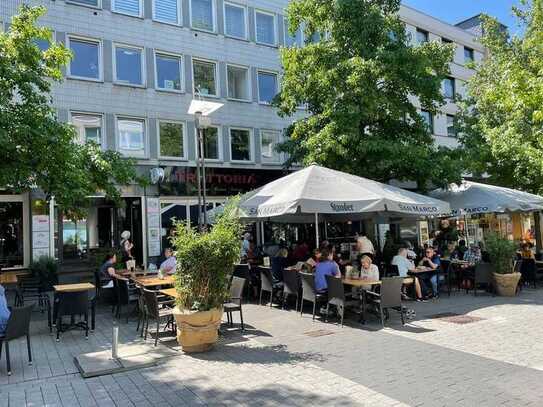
201	110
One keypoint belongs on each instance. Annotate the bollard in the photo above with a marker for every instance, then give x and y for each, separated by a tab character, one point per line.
115	343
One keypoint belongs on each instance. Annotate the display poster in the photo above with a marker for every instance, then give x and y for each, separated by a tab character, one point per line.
153	227
40	236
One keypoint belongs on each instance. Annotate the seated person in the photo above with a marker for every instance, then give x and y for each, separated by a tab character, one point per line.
313	260
460	250
526	252
168	265
107	271
4	311
404	267
301	251
368	271
432	261
325	267
278	264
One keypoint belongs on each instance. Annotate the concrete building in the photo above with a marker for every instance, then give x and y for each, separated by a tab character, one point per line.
137	65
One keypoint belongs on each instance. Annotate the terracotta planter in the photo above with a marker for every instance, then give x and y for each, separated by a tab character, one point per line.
197	331
506	284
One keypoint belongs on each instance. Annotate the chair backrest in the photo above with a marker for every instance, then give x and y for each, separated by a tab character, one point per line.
308	286
391	292
517	267
392	270
278	264
236	287
444	265
291	282
336	291
69	279
121	286
266	280
483	273
73	303
241	270
151	302
19	322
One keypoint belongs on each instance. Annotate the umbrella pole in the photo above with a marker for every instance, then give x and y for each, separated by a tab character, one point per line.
467	231
317	229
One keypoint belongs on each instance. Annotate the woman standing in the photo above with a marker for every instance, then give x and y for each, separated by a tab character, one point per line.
126	247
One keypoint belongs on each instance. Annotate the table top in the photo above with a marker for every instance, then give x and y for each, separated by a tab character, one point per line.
71	288
153	281
171	292
8	278
361	283
422	269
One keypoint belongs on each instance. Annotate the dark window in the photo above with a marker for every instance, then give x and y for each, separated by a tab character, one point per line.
422	36
11	234
428	119
468	55
451	126
449	88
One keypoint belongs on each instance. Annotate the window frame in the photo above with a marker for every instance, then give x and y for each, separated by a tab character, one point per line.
145	136
220	154
280	156
185	140
102	127
214	18
142	63
97	41
249	91
217	84
453	97
275	28
422	31
286	35
447	116
471	51
181	71
245	18
179	14
431	125
140	15
251	144
77	3
265	71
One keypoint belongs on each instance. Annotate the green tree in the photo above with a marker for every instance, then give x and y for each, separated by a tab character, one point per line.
502	119
356	83
38	150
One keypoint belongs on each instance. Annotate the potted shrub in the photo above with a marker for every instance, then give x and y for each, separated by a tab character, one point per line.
502	252
205	262
45	269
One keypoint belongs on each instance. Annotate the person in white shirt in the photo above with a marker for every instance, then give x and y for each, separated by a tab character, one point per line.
404	266
368	271
168	265
364	246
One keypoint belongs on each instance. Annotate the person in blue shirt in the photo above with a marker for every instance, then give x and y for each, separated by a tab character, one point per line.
4	311
325	267
431	260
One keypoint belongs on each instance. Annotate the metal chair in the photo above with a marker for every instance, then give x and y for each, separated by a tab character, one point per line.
391	270
234	302
243	271
483	276
18	326
124	295
309	293
291	286
72	304
336	296
267	284
152	311
390	297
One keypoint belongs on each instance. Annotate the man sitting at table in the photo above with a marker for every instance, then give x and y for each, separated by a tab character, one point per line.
325	267
404	267
107	271
432	261
168	265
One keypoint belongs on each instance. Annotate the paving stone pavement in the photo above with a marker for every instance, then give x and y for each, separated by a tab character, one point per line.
286	359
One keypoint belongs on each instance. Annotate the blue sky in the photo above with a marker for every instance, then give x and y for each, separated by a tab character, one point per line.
453	11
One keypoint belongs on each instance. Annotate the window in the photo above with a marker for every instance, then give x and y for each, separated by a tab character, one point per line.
166	11
293	41
131	133
265	28
451	126
422	36
12	242
238	82
130	7
93	3
269	141
43	45
234	21
171	139
212	149
449	90
128	65
241	145
85	63
446	41
88	127
205	81
468	55
428	119
267	86
202	14
168	72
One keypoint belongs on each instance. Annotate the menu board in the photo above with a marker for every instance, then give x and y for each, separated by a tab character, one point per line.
153	226
40	236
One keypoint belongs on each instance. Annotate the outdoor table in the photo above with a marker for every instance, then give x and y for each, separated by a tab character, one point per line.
153	281
72	288
8	278
170	292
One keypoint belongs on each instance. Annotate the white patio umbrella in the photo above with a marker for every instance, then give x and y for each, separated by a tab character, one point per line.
470	198
304	195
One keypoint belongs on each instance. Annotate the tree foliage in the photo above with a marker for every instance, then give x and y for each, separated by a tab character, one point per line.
502	121
38	150
358	83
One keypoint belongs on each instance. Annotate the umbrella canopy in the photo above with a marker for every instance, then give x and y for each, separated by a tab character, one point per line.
319	190
472	198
